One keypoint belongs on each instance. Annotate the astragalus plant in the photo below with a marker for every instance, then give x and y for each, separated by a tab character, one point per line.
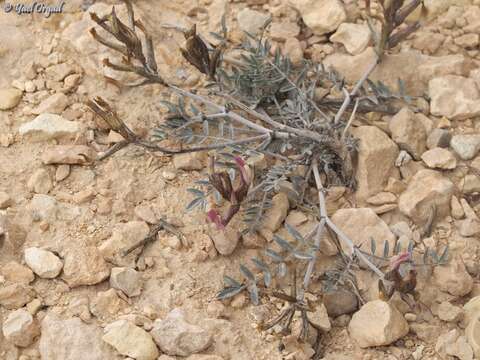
296	119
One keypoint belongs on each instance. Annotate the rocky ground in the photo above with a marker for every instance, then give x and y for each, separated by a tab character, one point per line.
66	291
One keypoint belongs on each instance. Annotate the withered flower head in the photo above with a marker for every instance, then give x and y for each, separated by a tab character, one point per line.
222	183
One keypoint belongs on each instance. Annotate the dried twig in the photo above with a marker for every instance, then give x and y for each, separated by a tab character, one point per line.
162	225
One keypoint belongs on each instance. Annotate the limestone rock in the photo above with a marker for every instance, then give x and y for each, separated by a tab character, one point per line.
472	333
457	209
471	309
319	317
466	146
49	126
469	227
453	344
9	98
54	104
124	236
15	296
72	339
293	50
107	304
470	184
5	200
43	263
20	328
17	273
189	161
427	41
69	154
453	278
340	302
377	323
408	132
144	212
251	21
426	188
354	37
376	157
40	182
321	16
467	41
225	240
455	97
414	68
130	340
84	265
360	225
439	138
449	313
436	7
281	31
177	337
276	214
438	158
128	280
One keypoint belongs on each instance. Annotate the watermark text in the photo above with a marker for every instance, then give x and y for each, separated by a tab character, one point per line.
35	7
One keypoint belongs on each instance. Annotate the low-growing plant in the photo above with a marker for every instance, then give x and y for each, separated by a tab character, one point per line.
265	126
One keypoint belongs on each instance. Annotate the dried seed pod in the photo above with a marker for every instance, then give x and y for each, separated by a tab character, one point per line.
196	53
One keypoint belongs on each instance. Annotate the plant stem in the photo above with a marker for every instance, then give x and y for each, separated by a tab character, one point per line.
349	96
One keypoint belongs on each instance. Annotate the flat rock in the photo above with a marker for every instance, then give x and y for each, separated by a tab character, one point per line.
470	184
472	333
466	146
427	188
340	302
414	68
130	340
189	161
5	200
408	132
449	313
177	337
17	273
124	236
54	104
69	154
438	158
361	225
20	328
355	37
455	97
127	280
40	182
453	278
320	318
454	344
84	265
72	339
275	215
15	296
376	160
469	227
225	240
377	323
251	21
9	98
49	126
439	138
44	263
107	304
321	16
